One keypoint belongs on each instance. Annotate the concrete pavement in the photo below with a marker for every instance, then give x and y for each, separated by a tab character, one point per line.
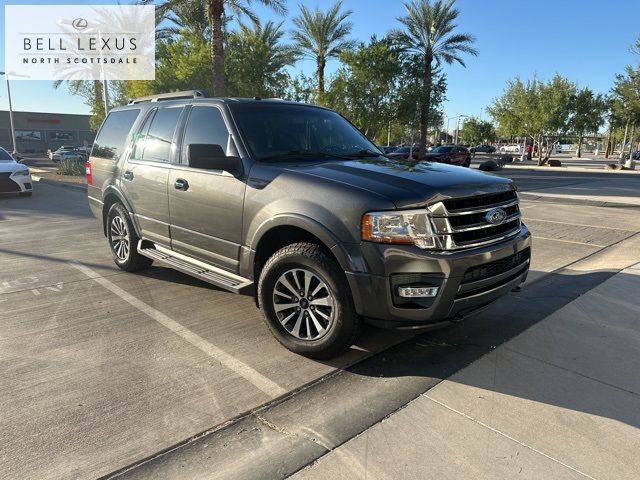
561	400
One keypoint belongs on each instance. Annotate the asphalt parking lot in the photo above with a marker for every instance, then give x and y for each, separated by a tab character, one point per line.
102	370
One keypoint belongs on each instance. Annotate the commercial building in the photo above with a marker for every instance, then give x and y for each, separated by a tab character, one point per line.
36	132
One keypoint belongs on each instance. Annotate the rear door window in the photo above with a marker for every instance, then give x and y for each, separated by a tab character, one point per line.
141	135
111	139
159	139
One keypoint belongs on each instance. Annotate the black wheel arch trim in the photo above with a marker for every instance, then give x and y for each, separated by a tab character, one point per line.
112	190
343	254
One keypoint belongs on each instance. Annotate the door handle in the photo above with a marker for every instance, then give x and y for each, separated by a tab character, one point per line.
128	175
181	184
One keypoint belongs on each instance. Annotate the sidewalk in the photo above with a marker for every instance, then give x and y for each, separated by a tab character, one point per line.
561	400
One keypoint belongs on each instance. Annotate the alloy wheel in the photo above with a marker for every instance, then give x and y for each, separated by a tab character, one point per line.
120	242
304	304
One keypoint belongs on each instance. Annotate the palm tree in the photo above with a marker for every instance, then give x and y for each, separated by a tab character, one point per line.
429	34
321	36
256	58
216	12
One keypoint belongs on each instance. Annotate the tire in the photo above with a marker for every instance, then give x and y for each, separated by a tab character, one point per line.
125	255
26	194
467	162
331	308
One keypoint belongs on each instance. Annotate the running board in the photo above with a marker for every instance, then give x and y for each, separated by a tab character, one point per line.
203	271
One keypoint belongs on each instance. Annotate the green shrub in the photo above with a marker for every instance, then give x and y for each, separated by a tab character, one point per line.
71	167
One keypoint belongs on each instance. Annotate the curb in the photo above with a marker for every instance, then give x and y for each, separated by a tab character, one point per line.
569	168
45	181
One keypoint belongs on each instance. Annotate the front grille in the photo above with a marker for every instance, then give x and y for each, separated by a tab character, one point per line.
8	185
491	269
469	203
461	223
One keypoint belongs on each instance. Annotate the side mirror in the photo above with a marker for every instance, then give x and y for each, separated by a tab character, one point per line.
212	157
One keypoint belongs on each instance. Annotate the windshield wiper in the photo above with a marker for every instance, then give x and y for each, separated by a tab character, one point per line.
365	153
304	154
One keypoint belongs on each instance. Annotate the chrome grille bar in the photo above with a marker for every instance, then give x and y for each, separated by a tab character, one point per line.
474	231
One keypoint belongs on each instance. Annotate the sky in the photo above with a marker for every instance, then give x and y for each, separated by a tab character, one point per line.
586	41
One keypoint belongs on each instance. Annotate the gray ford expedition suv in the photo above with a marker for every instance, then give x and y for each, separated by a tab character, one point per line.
291	203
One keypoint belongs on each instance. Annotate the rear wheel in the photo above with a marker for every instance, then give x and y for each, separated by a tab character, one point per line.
306	301
123	240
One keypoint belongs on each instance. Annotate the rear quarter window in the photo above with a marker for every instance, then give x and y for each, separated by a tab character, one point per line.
110	142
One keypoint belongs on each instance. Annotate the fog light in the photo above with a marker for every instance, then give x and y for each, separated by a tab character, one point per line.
417	291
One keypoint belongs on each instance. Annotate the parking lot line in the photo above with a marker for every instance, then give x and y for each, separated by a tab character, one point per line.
569	241
576	224
258	380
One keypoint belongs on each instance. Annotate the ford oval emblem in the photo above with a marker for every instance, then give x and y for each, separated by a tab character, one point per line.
495	216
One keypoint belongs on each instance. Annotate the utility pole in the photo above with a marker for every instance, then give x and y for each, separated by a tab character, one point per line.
13	131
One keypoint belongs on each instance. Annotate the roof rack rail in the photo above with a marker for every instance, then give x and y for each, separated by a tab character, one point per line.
170	96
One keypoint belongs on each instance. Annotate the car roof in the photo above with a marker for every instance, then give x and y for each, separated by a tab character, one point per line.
217	101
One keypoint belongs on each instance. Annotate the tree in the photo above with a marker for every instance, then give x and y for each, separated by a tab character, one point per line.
410	97
536	109
301	88
588	114
216	11
321	36
182	63
475	131
625	96
256	61
365	88
91	92
429	33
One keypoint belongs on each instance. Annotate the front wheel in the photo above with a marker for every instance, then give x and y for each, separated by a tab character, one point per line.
306	301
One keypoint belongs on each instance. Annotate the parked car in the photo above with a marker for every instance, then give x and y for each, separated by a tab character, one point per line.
451	154
403	153
483	149
387	150
69	153
14	177
510	148
292	204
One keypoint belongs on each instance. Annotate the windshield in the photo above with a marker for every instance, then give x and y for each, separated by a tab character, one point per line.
402	150
442	150
303	132
5	156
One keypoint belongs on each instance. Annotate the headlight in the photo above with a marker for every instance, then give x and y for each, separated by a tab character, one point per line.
405	227
21	173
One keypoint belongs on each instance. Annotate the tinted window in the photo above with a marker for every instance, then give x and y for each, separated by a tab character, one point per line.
5	156
112	136
442	150
271	130
157	144
139	139
205	126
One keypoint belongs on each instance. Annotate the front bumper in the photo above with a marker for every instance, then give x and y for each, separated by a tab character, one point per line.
15	183
458	296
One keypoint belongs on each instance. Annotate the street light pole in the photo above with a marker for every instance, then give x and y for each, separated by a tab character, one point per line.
13	131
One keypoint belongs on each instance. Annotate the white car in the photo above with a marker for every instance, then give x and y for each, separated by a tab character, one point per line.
510	149
14	176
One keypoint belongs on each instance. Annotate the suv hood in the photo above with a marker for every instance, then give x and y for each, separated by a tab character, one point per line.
407	184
